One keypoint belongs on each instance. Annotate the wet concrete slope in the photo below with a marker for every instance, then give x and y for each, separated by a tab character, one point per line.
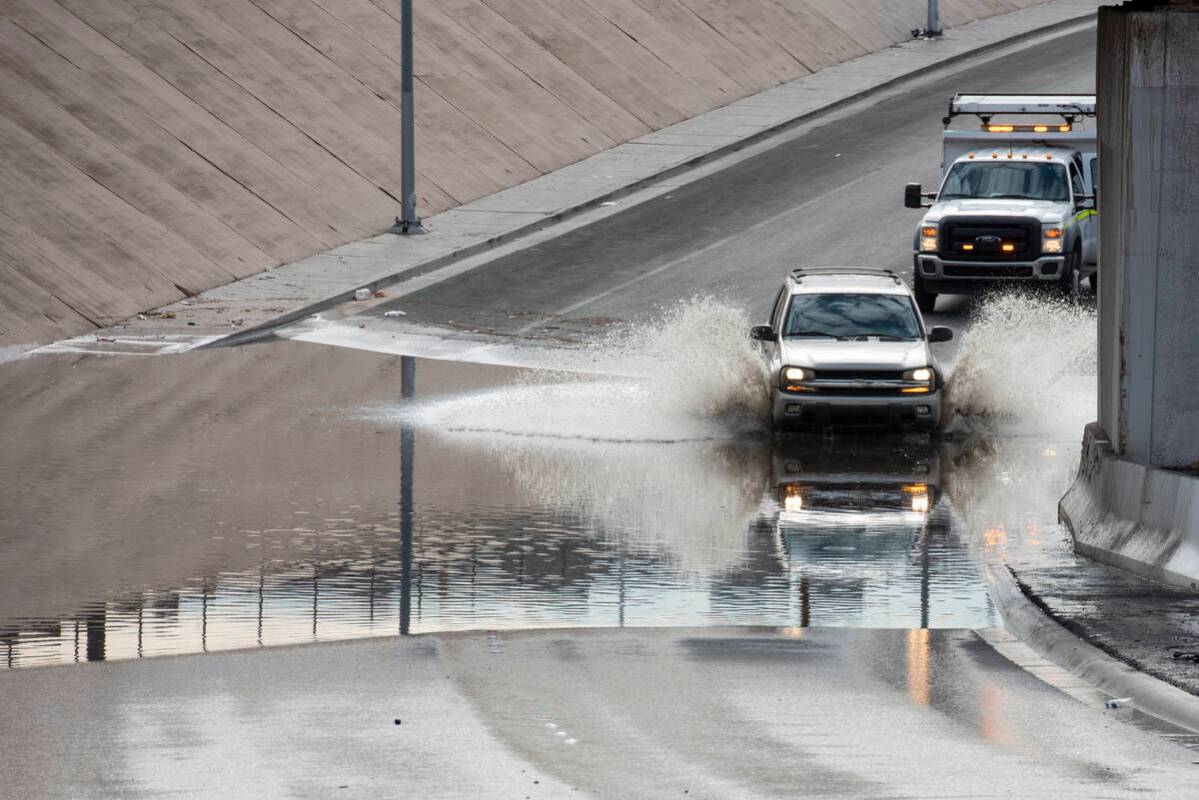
157	149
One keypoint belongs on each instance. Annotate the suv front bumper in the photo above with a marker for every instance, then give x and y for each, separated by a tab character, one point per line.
801	410
943	275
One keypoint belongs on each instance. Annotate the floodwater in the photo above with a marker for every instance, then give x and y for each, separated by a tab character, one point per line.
287	493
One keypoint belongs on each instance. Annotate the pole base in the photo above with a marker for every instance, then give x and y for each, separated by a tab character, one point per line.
407	227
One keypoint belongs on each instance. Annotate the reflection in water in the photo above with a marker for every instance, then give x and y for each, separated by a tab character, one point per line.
700	536
919	666
991	718
508	530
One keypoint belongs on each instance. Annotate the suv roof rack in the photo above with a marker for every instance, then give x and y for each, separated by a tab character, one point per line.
873	272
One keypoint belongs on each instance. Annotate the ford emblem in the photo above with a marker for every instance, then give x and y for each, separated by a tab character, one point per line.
988	240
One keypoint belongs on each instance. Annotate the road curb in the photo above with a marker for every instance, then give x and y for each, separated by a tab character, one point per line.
265	329
1085	661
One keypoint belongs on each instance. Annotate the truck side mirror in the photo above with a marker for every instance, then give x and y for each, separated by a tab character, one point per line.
763	333
1084	201
913	196
940	333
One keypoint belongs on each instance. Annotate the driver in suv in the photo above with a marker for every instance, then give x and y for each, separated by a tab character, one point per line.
848	346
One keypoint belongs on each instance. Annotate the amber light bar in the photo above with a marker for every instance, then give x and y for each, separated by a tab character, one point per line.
1027	128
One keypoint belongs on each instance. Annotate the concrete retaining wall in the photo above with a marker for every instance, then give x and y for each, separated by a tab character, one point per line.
1139	518
154	148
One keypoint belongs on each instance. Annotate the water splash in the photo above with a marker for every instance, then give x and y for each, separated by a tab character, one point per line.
701	362
694	374
1027	364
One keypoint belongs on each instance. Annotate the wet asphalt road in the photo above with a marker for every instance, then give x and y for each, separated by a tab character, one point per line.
831	196
697	713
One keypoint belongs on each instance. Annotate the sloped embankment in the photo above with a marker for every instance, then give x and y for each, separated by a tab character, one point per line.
155	148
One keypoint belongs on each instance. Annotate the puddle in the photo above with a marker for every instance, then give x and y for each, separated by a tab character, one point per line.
285	493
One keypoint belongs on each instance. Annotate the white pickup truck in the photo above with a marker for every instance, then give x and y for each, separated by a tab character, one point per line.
1016	201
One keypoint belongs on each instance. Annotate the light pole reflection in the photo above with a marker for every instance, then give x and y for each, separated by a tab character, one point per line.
407	443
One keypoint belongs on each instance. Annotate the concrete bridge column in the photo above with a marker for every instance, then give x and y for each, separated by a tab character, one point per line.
1136	501
1148	96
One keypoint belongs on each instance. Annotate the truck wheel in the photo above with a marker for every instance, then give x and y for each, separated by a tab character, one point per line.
926	301
1070	277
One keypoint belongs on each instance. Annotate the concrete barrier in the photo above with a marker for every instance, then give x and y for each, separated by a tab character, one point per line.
156	149
1136	517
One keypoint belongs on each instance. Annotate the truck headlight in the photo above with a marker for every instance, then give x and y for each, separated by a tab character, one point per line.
921	375
928	239
1051	240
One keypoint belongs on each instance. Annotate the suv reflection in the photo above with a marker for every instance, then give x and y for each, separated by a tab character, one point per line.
859	529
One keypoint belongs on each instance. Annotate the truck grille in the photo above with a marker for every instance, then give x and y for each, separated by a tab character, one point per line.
986	236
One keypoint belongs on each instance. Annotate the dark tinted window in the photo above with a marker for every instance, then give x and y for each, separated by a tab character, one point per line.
850	316
1006	179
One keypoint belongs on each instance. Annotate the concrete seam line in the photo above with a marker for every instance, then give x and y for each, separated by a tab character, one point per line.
265	329
1086	662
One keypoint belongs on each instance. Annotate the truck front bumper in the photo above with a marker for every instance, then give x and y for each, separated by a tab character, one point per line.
792	410
966	277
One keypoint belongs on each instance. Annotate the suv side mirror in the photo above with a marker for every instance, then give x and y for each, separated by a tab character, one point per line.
913	196
763	333
940	333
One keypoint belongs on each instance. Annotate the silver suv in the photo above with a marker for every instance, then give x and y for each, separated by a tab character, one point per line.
848	346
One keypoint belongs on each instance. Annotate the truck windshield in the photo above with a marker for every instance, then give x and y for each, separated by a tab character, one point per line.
1005	179
851	316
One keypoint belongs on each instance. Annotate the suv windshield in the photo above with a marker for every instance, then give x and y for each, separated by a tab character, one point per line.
851	316
1006	179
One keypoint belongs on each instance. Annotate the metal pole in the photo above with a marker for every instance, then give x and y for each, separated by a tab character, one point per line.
408	220
934	19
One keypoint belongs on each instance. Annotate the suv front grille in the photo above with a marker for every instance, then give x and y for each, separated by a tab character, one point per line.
985	237
861	382
858	375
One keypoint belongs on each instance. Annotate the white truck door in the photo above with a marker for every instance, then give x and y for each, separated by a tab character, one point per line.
1084	218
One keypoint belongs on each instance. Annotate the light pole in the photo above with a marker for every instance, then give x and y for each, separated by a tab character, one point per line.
934	19
407	222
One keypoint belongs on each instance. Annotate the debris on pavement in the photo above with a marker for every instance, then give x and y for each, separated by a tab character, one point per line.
362	294
380	293
394	314
1119	702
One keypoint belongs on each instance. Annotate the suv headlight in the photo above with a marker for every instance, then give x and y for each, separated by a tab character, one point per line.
923	376
791	379
1051	240
928	239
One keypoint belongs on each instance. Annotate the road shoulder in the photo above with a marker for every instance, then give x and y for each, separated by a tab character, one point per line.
1099	640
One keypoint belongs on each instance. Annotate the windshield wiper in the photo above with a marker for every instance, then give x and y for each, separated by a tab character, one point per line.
821	334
